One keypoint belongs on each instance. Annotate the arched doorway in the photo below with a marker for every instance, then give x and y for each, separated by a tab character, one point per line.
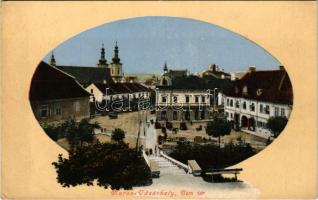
244	121
251	124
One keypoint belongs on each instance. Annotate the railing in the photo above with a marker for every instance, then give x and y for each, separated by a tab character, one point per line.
174	161
146	157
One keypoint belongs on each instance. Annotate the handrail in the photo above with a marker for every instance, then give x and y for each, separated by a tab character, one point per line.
146	157
174	161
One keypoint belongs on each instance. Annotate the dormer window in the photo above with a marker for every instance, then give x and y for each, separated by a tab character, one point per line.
245	90
259	92
236	90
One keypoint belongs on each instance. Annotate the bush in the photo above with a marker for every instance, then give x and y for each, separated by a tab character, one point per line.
169	125
75	132
211	156
111	164
163	129
183	126
118	135
157	125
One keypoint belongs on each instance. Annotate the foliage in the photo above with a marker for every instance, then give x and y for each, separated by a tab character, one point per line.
169	125
211	156
277	124
157	125
118	135
111	164
218	127
183	126
75	132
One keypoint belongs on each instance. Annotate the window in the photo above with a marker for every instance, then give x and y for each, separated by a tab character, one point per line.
282	112
261	108
237	104
44	111
231	103
231	115
174	115
227	114
92	91
276	111
244	105
202	114
164	99
57	109
175	99
77	106
187	98
267	109
163	114
196	99
252	107
227	102
261	124
203	99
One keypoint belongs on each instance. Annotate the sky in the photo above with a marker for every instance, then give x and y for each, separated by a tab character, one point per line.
145	44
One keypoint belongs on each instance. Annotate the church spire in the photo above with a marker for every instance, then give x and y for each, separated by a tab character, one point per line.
116	59
52	60
165	68
102	61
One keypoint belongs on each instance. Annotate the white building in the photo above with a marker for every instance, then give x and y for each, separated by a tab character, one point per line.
256	97
128	92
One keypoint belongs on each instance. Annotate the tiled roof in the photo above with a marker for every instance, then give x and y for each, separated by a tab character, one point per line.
50	83
268	86
120	88
88	75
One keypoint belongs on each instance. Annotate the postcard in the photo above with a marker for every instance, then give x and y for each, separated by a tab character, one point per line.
159	100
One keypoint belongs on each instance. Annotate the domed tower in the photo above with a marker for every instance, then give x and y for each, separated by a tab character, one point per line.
52	60
116	66
102	62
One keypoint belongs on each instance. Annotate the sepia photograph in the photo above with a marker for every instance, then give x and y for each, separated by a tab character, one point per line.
159	101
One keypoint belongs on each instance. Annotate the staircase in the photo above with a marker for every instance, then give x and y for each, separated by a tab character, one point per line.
166	167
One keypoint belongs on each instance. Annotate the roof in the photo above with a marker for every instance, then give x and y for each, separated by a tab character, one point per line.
87	75
120	88
193	82
177	73
268	86
50	83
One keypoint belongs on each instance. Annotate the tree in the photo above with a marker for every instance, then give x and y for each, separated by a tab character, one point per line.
110	164
118	135
218	127
276	124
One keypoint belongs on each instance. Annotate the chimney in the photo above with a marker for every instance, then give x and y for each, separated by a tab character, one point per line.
281	67
251	69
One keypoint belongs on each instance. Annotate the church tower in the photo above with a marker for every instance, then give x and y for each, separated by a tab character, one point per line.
102	61
52	60
116	66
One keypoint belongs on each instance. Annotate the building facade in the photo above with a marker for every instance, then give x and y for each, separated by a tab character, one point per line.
126	93
184	97
256	97
182	104
56	96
